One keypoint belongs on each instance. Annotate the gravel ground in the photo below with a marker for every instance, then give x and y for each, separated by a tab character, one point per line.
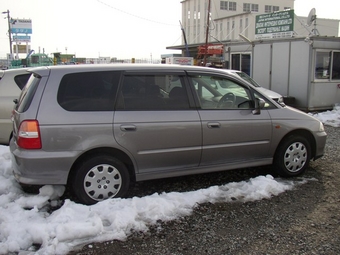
305	220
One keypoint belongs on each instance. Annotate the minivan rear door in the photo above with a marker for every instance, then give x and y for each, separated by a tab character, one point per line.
156	123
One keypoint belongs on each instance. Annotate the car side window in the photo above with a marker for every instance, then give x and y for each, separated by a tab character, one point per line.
153	92
21	80
215	92
89	91
27	94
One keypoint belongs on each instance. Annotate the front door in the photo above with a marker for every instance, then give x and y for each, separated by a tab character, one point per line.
231	132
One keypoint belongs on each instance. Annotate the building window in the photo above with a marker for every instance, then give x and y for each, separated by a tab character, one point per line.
228	30
336	66
188	14
327	65
228	6
224	5
255	8
241	61
267	8
246	7
271	8
221	27
322	62
232	6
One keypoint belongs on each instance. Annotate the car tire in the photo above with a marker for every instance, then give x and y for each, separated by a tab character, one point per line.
100	178
292	156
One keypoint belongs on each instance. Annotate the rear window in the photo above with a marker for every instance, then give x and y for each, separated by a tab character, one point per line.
90	91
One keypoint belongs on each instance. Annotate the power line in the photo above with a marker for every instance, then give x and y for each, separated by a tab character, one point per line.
134	15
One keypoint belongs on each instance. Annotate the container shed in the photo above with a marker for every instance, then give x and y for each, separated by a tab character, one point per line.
306	71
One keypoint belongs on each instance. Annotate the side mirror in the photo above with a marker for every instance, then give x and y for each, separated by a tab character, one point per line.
259	104
15	101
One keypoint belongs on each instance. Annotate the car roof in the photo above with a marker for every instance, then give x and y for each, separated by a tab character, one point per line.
13	71
85	67
44	70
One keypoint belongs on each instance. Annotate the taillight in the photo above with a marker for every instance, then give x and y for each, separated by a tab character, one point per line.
29	135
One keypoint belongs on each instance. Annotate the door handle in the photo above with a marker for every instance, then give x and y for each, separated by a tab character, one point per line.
214	125
128	128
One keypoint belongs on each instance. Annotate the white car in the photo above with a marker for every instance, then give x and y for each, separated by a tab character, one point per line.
272	94
12	82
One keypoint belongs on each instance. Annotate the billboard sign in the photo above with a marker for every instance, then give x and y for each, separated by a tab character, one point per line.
275	25
21	26
21	38
187	61
21	48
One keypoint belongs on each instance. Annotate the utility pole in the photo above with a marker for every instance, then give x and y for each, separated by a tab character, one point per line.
185	40
9	33
207	36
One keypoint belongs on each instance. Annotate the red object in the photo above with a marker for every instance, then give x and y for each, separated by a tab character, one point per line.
29	135
212	49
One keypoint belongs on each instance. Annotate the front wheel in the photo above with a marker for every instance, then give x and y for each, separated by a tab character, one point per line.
293	156
100	178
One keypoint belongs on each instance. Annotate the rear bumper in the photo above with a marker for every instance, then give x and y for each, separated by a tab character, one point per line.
37	167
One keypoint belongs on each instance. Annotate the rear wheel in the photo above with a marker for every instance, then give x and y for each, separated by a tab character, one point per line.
100	178
293	156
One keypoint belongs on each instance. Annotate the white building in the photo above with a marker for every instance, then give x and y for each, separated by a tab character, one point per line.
301	63
229	19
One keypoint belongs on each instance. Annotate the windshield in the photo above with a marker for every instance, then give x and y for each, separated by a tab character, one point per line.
247	78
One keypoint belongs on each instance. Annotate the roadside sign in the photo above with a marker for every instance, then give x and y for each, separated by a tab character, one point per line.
21	48
21	38
21	26
275	25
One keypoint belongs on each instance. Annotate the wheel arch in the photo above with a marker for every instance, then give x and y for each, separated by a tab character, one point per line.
300	132
118	154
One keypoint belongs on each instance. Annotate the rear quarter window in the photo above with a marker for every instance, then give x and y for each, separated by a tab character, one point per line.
21	80
90	91
27	94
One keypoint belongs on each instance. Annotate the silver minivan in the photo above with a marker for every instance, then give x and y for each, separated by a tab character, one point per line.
98	128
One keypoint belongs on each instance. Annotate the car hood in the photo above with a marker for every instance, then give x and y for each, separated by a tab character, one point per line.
269	93
291	113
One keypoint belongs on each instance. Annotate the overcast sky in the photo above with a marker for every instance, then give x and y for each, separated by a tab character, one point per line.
106	28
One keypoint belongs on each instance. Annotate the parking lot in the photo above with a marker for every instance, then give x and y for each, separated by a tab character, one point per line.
302	221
